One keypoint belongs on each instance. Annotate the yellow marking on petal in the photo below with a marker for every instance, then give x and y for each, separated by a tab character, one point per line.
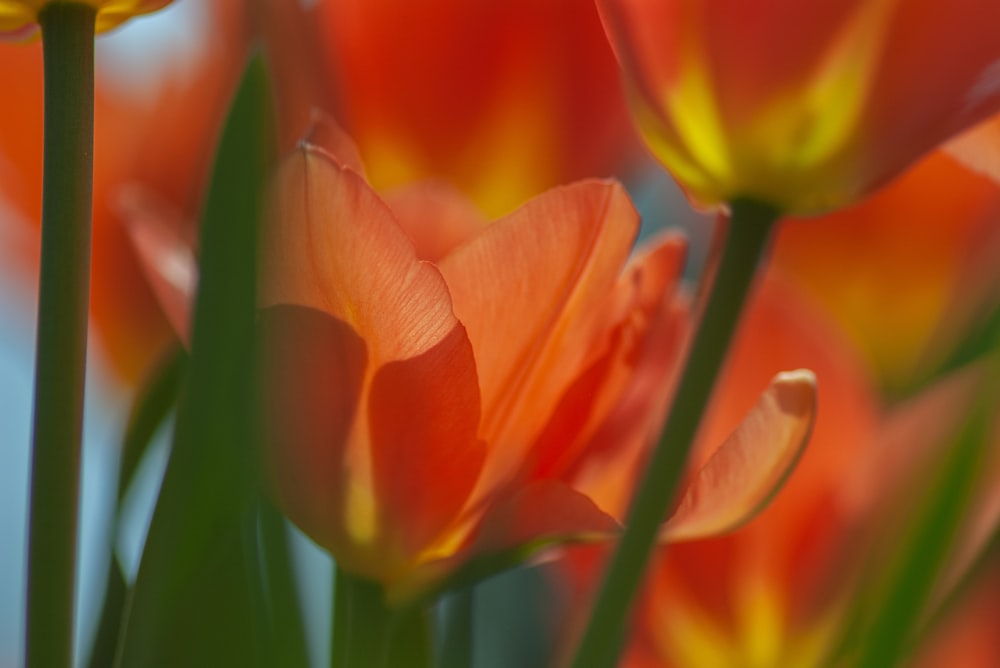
691	103
691	638
830	110
791	151
762	632
361	513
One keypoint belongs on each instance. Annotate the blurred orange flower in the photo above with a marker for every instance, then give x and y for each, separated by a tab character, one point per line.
434	384
543	109
158	138
18	18
776	592
804	106
759	596
504	98
907	272
438	388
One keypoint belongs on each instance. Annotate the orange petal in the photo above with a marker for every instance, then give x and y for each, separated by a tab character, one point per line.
325	133
333	244
542	510
605	418
313	369
436	216
412	454
166	255
979	148
528	290
426	457
747	470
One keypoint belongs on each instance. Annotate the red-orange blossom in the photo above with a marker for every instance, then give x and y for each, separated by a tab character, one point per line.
438	388
435	386
806	106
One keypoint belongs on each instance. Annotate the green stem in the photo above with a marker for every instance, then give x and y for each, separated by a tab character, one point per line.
361	622
340	629
368	633
745	244
285	609
60	357
457	643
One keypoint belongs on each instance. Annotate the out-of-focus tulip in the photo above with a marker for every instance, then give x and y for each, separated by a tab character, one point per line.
906	272
421	413
504	98
759	596
804	106
437	388
18	18
159	138
777	591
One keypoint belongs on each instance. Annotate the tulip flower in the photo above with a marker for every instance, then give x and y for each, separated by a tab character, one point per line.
465	395
777	590
438	389
19	18
162	143
908	272
804	107
728	600
152	138
504	98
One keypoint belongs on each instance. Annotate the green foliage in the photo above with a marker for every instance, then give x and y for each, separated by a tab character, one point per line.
199	597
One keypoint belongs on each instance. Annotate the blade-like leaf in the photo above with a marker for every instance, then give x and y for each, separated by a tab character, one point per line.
197	599
902	597
153	403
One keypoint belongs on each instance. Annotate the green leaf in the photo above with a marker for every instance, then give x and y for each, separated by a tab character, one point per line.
900	599
197	598
152	405
150	408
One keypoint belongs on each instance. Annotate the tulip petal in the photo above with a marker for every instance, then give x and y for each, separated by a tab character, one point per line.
746	471
167	256
424	414
326	133
334	245
412	454
545	510
436	216
528	289
313	369
609	411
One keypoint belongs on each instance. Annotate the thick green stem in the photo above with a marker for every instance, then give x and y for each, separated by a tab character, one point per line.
457	640
361	623
60	358
368	633
746	241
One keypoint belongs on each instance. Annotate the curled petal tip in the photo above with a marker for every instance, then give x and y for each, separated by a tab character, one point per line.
741	478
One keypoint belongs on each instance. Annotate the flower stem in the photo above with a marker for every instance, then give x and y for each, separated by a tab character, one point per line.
746	242
457	640
368	633
60	358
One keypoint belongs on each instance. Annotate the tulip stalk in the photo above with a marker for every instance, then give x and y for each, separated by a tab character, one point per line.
745	244
60	358
366	632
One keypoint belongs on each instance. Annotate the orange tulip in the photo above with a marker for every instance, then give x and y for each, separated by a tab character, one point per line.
907	272
759	595
437	388
775	591
18	18
158	141
804	106
504	98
